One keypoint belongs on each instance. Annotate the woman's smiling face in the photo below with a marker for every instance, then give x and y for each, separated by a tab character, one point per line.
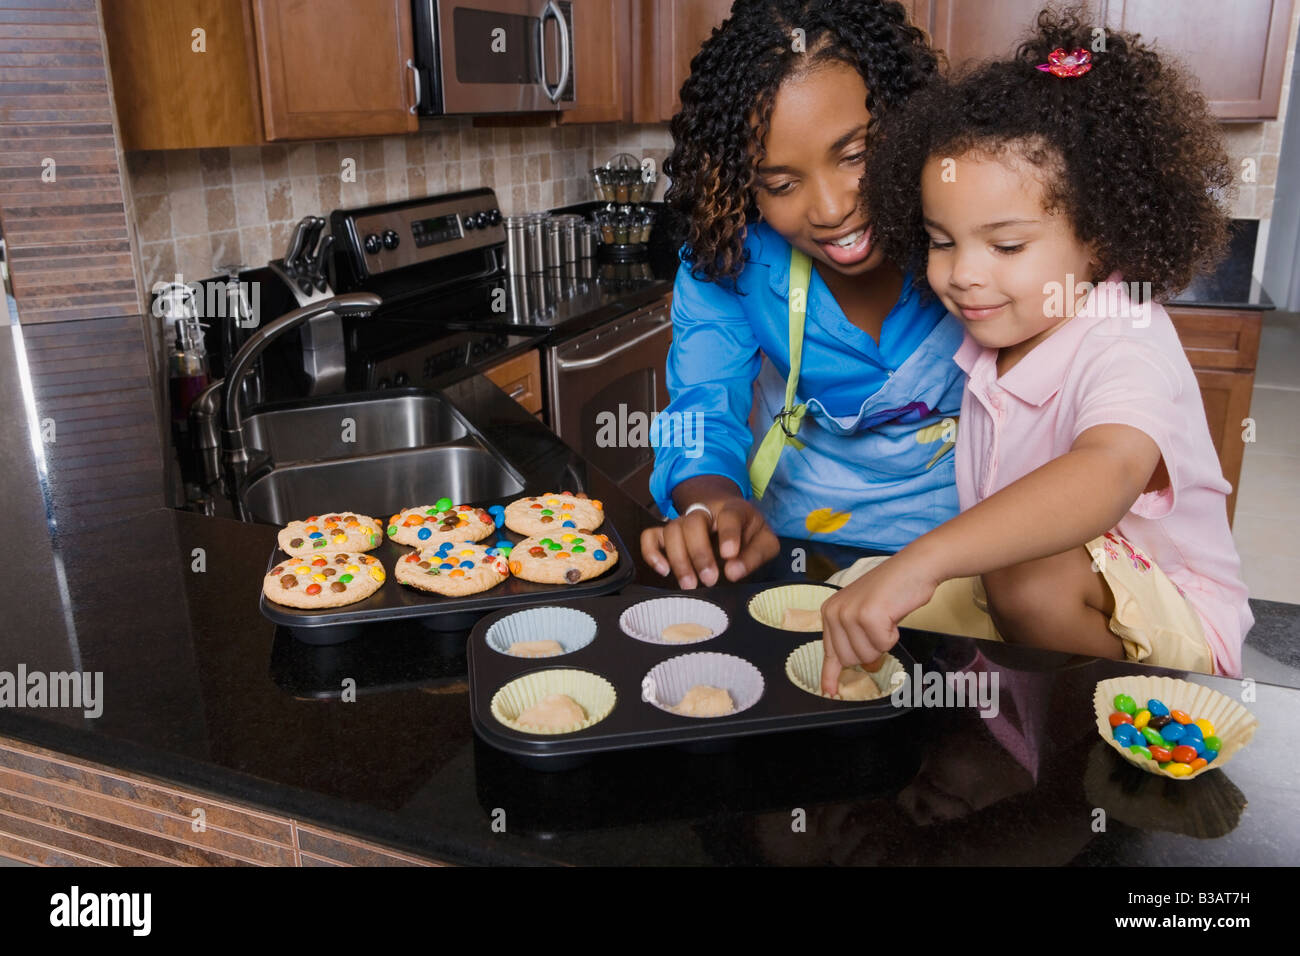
808	183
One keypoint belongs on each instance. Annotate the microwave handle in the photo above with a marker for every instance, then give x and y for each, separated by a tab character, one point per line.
410	64
566	63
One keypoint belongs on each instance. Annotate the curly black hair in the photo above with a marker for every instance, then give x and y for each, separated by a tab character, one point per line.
1129	151
728	98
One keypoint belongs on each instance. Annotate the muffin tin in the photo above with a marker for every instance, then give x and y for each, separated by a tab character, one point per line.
395	601
626	661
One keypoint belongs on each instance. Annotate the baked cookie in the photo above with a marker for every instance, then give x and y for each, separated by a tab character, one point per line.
557	511
563	559
338	531
326	580
453	569
428	526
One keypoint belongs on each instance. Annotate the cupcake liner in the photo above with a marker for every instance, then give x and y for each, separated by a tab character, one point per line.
570	628
593	694
1233	723
667	682
646	621
804	668
768	607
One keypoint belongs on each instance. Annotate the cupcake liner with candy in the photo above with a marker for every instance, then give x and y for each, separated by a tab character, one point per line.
648	620
1168	714
571	629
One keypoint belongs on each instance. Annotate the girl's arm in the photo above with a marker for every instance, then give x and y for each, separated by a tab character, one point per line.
1059	506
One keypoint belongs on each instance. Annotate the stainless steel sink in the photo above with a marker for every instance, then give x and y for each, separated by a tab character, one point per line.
350	427
379	485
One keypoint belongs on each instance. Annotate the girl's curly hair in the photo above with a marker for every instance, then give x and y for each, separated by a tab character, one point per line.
728	98
1131	153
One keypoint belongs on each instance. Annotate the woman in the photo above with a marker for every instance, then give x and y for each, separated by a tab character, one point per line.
785	312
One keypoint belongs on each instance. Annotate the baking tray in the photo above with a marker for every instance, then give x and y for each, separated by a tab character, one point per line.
395	601
624	661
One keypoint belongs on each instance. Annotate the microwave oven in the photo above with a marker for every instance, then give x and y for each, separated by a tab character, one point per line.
493	56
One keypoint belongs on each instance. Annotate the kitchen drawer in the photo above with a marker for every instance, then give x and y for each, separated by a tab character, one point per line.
520	378
1218	338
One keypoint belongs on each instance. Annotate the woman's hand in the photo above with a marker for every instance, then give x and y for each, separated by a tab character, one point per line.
692	547
860	622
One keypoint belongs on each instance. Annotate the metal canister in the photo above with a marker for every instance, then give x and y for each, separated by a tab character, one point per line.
586	233
571	223
535	235
517	244
554	243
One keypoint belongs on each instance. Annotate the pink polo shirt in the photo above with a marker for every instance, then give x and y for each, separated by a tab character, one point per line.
1106	366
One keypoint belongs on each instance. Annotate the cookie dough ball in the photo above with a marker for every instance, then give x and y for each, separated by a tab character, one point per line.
453	570
554	712
563	559
555	512
536	648
705	701
338	531
428	526
327	580
801	619
857	684
685	633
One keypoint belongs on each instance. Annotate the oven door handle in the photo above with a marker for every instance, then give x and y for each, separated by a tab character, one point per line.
561	28
574	365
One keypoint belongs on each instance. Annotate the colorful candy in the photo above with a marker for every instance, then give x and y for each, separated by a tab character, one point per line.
443	504
1179	744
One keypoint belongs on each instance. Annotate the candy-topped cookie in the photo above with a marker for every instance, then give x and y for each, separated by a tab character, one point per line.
428	526
325	580
338	531
563	558
454	569
559	511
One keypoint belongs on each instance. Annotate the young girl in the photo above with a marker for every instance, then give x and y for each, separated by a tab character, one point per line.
1093	504
783	283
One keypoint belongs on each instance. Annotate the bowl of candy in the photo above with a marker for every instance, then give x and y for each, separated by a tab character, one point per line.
1171	727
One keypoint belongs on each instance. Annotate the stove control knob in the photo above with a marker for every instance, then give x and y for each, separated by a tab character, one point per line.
494	217
400	379
391	239
373	244
469	222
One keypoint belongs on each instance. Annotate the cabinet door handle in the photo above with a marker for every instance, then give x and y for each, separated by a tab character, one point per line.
415	73
519	391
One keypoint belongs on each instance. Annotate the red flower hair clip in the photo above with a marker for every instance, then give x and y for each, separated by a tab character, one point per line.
1060	63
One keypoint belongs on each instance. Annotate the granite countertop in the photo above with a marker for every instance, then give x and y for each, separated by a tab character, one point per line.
1231	285
202	691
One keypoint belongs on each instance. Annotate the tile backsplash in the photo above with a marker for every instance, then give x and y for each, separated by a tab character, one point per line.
196	211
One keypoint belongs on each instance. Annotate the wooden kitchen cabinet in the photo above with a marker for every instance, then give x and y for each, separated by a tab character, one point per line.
331	68
667	35
520	378
1236	50
268	70
602	40
171	95
1223	348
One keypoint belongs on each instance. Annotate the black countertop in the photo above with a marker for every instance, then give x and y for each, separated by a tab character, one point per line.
1231	285
202	691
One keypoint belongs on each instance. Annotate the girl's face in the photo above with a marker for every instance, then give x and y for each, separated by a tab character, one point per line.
808	184
995	252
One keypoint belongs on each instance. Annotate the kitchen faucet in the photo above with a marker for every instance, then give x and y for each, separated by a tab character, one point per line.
236	453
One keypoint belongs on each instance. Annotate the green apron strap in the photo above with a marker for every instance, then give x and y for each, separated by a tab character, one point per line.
785	425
